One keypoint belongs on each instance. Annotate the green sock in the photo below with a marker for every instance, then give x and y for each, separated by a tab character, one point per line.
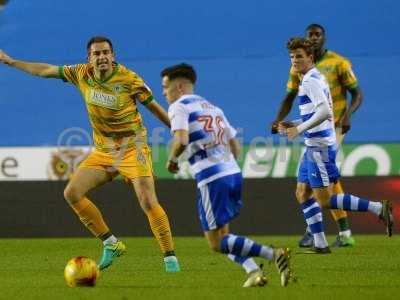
343	224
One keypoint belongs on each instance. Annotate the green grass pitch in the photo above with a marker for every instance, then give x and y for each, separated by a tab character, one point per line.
33	269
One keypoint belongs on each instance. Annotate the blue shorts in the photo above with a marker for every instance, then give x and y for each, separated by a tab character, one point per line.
219	201
318	167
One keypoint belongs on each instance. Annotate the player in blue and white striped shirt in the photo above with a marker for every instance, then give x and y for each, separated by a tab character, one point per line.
318	167
202	129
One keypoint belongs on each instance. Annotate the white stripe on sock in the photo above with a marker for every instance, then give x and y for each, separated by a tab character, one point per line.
346	233
354	203
231	241
111	240
314	219
375	207
231	257
246	247
267	252
306	210
320	240
339	201
250	265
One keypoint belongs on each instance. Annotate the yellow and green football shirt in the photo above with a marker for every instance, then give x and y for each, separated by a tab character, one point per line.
339	75
111	104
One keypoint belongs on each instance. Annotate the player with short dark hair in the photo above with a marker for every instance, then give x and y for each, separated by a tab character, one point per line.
111	93
180	71
201	128
341	79
98	39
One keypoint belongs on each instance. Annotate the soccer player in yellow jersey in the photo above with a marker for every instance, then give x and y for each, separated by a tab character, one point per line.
341	80
111	92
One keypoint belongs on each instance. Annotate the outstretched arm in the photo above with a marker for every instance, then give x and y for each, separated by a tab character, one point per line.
284	109
37	69
157	110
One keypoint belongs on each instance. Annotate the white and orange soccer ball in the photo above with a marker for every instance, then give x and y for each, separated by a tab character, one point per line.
81	271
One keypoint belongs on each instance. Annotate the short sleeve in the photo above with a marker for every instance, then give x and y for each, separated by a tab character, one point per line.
293	82
71	73
230	131
141	91
346	75
179	117
315	92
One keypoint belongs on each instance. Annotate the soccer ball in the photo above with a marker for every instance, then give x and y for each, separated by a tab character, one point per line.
81	271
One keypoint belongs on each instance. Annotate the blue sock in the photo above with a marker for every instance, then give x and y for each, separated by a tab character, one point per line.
313	216
242	246
352	203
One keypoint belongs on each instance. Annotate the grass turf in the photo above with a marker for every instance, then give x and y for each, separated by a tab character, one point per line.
33	269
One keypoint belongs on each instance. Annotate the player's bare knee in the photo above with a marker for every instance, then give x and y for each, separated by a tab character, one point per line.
298	196
323	203
216	248
147	203
71	194
215	245
301	195
147	199
146	207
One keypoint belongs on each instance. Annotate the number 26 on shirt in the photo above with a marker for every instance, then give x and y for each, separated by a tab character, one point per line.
216	127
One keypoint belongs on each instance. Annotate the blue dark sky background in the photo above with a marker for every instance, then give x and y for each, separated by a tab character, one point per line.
237	47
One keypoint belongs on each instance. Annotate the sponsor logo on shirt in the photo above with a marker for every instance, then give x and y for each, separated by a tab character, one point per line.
103	99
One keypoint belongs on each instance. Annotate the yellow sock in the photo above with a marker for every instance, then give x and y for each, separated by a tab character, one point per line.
90	216
337	188
160	226
338	213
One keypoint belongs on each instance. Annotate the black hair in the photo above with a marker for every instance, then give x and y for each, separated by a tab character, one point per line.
99	39
180	71
315	25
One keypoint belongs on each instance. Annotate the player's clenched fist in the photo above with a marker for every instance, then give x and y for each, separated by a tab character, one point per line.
4	58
